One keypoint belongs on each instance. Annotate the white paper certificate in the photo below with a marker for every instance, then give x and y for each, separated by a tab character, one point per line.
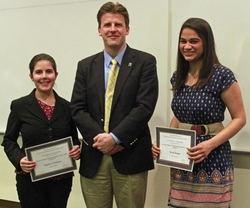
51	158
173	144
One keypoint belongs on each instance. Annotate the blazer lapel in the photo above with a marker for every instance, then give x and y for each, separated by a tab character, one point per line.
35	109
58	110
98	77
127	64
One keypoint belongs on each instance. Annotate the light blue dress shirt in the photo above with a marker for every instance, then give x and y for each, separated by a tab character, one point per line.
107	67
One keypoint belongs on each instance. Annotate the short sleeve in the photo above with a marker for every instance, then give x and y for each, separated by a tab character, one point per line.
173	79
225	76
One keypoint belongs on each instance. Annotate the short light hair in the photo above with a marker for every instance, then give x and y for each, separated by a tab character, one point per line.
114	8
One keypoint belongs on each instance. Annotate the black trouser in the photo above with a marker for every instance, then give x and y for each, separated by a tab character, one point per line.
43	194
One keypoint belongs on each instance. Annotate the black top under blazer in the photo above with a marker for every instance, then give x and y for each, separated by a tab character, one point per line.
134	101
28	119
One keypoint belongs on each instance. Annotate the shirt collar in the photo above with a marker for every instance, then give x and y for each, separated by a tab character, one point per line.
108	58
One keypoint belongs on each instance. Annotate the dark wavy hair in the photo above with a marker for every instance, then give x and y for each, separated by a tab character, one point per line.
204	31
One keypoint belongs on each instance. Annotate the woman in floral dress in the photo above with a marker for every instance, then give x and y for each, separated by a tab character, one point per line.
202	90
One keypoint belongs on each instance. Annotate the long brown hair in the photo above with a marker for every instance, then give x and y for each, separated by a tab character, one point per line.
204	31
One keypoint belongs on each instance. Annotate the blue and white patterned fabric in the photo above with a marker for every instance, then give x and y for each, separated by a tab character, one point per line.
211	182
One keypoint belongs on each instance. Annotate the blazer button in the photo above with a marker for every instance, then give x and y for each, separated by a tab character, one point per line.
102	120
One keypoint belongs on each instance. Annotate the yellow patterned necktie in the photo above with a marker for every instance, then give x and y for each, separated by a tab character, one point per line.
109	93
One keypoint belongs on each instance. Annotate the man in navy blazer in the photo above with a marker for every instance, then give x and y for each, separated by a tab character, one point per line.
115	162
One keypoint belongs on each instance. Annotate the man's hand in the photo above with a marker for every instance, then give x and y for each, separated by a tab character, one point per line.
104	142
117	148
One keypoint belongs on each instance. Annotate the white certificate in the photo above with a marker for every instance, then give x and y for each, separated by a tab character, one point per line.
173	143
51	158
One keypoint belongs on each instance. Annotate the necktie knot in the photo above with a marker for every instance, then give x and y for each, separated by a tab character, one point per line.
114	62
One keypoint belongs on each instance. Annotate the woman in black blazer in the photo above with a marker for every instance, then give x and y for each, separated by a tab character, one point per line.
42	116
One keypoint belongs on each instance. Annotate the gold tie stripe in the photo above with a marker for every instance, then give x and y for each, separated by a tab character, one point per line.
109	93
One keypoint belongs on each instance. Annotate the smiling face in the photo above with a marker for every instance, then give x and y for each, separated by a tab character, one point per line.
44	76
191	46
113	31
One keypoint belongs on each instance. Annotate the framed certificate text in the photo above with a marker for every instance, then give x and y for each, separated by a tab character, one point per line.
51	158
173	143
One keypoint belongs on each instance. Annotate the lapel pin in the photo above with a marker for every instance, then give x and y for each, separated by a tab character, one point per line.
129	64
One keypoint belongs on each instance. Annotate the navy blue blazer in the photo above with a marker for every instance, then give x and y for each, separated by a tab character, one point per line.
28	119
134	101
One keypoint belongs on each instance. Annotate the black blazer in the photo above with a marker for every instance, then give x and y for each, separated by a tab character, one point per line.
28	118
133	104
